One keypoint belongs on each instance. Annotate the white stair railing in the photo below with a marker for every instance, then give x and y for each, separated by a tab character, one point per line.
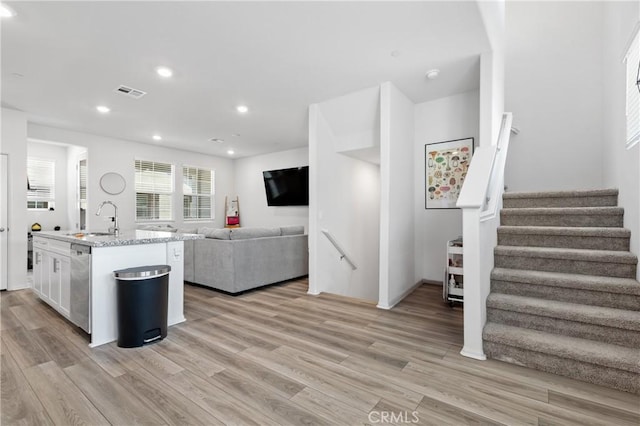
480	200
343	254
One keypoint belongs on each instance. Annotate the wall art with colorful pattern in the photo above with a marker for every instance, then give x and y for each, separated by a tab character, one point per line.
446	166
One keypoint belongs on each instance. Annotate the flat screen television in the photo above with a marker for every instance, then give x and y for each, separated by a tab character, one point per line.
287	187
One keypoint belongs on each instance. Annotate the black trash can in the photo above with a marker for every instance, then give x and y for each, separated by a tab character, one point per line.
142	294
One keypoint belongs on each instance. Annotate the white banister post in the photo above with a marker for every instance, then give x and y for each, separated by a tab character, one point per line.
474	299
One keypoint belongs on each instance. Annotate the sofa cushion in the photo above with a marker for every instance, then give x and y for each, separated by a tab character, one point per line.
216	233
246	233
292	230
188	230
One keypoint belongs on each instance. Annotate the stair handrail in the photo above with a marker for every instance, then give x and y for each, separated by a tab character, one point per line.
343	254
483	185
495	188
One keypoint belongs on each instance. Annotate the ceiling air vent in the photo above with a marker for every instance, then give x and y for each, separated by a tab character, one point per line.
131	92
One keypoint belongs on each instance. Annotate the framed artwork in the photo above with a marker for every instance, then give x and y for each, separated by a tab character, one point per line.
446	166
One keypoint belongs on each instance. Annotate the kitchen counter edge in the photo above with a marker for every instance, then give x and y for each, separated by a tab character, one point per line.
125	238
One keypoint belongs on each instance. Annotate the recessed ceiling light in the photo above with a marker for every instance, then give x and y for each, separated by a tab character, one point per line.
157	137
235	135
216	140
242	109
103	109
6	11
164	72
230	152
433	74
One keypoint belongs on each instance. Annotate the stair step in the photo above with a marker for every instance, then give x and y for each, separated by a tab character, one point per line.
567	237
587	198
604	263
601	363
563	216
608	325
622	293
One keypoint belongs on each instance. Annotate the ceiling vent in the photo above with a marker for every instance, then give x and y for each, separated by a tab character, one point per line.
131	92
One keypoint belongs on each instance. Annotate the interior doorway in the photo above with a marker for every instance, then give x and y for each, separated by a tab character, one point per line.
81	192
4	228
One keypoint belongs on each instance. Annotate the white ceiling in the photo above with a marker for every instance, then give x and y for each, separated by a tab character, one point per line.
61	59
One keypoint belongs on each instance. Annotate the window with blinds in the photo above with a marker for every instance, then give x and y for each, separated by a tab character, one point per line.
198	191
154	190
41	183
633	95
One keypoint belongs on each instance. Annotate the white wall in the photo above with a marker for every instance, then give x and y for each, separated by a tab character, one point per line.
14	143
344	198
396	197
59	216
114	155
554	89
450	118
492	72
250	189
621	165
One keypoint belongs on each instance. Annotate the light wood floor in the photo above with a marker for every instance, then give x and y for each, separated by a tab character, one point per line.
279	356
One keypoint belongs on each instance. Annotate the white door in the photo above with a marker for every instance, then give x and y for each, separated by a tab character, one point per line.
4	224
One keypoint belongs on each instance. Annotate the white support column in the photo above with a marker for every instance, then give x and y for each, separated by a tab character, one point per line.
474	299
313	199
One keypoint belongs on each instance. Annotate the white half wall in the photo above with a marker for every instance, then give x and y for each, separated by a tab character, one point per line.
554	89
445	119
59	216
621	165
115	155
396	197
13	142
250	189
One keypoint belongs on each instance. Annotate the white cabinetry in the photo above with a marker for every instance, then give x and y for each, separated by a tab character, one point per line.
52	273
453	284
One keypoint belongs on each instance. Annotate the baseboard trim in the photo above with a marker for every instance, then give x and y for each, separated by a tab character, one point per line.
401	297
474	355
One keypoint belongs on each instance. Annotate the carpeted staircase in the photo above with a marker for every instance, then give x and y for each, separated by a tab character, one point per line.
564	298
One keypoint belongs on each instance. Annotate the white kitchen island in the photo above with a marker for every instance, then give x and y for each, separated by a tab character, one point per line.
54	267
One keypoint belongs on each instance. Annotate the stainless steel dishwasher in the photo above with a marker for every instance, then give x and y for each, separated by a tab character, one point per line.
80	312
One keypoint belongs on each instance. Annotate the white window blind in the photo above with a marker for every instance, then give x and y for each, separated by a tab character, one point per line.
198	187
154	190
41	183
633	95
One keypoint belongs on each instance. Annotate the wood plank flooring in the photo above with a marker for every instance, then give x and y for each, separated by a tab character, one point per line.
278	356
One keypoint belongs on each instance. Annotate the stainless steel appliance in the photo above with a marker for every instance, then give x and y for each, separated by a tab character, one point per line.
80	312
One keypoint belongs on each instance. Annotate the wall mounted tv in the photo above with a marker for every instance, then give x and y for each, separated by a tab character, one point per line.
287	187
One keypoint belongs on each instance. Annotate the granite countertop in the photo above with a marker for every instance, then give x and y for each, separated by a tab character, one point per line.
124	238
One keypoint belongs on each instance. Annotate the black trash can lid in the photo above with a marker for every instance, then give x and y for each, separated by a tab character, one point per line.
142	272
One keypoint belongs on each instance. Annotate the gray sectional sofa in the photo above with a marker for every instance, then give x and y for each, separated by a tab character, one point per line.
240	259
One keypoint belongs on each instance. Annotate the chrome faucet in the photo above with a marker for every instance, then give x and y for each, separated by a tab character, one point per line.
115	230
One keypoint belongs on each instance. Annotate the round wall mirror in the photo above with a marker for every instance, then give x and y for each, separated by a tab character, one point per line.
112	183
